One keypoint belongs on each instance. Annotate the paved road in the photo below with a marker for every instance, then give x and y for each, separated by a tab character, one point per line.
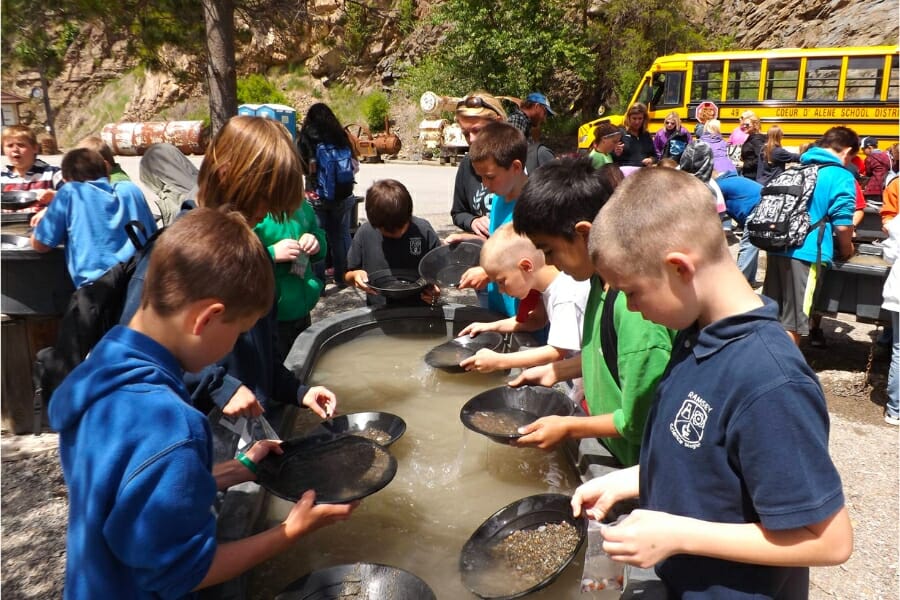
431	185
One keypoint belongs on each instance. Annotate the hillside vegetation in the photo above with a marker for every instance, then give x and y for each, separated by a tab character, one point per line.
142	61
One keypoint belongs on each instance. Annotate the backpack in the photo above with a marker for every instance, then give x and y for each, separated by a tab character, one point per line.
781	219
334	173
93	310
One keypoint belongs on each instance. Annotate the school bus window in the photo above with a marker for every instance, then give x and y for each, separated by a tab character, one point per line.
782	77
674	84
743	79
822	78
706	83
864	77
894	83
646	94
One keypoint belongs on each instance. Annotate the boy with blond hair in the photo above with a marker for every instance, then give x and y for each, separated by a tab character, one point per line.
518	268
24	170
498	156
738	495
94	142
141	520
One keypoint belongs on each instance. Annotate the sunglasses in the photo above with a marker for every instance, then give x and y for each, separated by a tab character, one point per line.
476	102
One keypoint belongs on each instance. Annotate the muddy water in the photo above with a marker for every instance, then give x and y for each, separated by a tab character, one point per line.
449	479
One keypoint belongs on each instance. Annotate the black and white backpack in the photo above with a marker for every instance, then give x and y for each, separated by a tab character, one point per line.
781	220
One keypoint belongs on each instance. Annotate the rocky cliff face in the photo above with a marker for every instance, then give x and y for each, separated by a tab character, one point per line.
804	24
320	38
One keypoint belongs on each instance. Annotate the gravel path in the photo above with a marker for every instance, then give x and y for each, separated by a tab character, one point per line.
33	502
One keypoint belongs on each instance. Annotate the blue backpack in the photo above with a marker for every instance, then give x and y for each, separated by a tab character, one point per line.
334	173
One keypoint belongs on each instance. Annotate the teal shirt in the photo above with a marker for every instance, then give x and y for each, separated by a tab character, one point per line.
501	214
297	296
644	348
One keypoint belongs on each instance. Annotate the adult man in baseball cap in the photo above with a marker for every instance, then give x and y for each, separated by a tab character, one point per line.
531	115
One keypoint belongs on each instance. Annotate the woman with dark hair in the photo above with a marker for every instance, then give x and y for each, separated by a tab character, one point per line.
636	148
321	126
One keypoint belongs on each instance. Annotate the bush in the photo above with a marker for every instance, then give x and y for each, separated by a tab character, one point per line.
375	107
257	89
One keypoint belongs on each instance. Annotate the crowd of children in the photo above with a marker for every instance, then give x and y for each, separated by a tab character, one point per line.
643	305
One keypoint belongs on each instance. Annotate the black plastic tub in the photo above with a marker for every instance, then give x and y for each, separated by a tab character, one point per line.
32	283
855	287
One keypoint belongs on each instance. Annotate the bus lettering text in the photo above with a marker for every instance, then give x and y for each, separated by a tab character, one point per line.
786	112
823	112
859	113
887	113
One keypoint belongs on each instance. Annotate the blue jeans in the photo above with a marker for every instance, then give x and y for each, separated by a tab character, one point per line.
748	256
893	383
336	224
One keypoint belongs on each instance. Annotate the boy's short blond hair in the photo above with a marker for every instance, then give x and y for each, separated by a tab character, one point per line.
190	262
654	212
505	248
19	132
96	143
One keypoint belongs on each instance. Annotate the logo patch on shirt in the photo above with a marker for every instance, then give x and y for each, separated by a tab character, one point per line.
415	246
690	421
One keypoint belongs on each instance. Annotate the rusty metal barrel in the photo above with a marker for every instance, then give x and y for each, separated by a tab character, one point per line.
387	143
133	138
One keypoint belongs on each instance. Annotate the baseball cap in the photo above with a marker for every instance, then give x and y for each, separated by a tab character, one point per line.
869	142
539	98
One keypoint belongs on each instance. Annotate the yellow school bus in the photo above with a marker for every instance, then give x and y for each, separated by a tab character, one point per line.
803	90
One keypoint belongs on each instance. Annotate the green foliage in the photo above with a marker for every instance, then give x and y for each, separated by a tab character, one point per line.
562	125
630	35
507	47
406	20
375	107
359	26
512	47
257	89
345	102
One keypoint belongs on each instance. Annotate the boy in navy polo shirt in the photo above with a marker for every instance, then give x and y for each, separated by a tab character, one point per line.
738	494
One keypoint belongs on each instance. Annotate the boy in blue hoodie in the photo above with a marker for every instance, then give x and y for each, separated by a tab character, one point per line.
792	275
137	456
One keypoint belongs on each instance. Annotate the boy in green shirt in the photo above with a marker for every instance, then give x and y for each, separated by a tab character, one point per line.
556	210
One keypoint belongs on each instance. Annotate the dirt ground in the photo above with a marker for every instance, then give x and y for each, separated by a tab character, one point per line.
33	500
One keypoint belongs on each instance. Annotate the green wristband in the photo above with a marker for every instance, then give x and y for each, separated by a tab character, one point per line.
247	462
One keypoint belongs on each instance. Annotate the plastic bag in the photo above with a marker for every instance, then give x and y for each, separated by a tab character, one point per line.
601	573
236	434
299	264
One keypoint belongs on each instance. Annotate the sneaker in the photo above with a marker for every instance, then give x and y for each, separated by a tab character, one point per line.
817	338
892	420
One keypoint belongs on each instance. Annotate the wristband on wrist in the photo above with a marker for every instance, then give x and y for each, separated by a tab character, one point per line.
247	462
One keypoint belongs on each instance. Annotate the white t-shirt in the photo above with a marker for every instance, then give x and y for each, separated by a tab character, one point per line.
565	300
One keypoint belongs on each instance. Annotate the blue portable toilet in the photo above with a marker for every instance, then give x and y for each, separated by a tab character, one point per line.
285	114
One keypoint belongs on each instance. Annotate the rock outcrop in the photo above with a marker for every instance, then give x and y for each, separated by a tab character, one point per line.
320	37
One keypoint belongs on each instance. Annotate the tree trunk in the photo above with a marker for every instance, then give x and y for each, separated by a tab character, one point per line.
220	67
48	109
